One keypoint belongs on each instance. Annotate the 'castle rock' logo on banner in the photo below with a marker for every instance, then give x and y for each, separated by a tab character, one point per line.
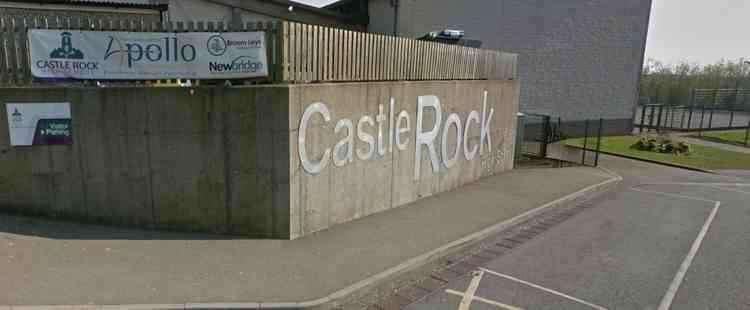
17	117
66	49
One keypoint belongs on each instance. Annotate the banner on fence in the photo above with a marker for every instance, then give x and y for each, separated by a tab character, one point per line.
117	55
39	123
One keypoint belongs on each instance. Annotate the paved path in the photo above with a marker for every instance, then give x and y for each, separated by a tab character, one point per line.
723	146
51	263
665	239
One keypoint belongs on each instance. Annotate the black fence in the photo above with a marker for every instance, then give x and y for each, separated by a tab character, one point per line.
537	131
689	118
708	109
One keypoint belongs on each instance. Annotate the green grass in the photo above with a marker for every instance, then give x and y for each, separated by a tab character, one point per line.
703	157
735	137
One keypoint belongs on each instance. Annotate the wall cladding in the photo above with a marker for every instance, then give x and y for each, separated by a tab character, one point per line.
226	160
578	59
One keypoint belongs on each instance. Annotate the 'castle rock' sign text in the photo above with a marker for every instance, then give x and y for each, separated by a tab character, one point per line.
371	131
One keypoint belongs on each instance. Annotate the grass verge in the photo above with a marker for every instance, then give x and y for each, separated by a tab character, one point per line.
733	137
703	157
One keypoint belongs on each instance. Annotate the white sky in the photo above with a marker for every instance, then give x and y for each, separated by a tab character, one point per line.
316	3
699	31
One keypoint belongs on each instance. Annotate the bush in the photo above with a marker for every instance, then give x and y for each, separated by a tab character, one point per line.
662	144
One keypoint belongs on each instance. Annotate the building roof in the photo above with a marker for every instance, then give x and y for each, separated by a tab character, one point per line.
135	4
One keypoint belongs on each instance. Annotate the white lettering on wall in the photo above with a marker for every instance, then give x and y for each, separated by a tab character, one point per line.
312	167
345	144
427	138
485	134
450	160
428	127
366	138
403	117
469	154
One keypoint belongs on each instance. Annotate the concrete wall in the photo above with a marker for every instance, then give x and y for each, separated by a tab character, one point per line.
154	157
578	59
363	187
226	160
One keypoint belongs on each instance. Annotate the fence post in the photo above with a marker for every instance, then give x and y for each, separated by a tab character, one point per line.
598	142
651	118
585	142
658	121
643	117
682	118
747	133
700	125
546	137
690	114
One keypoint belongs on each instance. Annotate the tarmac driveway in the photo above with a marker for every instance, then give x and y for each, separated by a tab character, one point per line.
666	238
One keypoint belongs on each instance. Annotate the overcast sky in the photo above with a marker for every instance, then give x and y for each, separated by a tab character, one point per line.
701	31
316	3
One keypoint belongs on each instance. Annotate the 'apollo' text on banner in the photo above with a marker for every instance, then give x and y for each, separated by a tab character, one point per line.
117	55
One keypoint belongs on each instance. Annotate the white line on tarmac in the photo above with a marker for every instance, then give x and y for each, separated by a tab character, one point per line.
635	188
469	295
730	189
666	301
487	301
551	291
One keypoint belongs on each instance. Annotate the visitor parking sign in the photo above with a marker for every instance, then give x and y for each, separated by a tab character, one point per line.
39	123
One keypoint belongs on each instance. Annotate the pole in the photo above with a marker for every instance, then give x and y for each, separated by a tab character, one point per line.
546	138
585	142
703	114
682	119
651	118
598	142
747	133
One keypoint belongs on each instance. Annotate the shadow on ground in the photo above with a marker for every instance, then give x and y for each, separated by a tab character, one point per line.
60	229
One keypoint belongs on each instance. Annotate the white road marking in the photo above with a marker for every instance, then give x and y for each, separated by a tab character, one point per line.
730	189
635	188
486	301
666	301
470	291
551	291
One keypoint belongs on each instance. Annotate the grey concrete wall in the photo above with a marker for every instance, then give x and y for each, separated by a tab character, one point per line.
226	160
578	59
155	157
363	187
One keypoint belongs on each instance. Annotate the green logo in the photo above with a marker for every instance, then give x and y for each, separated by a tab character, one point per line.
66	50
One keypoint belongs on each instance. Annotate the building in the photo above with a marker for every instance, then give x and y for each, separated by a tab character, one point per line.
64	11
578	59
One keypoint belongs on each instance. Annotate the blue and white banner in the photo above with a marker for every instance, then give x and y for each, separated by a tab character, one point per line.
116	55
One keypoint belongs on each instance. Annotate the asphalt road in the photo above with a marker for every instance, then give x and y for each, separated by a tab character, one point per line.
665	239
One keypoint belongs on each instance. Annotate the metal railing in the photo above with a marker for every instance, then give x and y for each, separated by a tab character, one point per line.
298	53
